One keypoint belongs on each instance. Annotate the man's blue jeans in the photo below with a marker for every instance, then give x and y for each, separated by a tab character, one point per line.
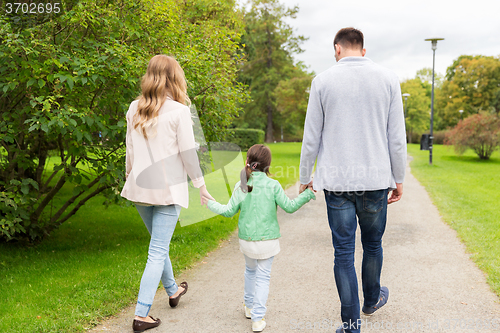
160	222
370	207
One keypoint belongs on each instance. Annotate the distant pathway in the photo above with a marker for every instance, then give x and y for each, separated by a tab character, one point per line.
434	286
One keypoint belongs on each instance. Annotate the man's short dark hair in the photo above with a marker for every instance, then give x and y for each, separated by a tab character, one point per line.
350	38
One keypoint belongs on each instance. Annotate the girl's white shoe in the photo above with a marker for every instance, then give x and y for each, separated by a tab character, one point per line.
258	326
248	311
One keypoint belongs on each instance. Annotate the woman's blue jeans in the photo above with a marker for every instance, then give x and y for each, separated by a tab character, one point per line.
370	207
257	278
160	222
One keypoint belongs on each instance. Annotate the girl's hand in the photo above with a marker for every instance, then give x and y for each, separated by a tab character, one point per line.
204	195
303	187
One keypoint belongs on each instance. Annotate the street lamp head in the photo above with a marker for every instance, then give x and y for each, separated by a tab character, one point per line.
406	95
461	111
434	41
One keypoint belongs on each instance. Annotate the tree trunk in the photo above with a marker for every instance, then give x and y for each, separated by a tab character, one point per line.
269	106
269	129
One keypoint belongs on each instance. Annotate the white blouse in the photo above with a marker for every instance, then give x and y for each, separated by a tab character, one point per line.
157	168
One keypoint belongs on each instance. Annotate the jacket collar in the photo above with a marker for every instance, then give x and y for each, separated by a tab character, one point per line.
354	60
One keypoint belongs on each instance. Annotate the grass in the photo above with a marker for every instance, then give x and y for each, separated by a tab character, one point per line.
285	162
90	267
466	191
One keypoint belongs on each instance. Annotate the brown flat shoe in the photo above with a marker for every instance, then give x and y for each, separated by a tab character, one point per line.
174	301
140	326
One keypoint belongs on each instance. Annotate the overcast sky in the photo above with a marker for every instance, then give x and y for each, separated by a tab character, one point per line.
395	31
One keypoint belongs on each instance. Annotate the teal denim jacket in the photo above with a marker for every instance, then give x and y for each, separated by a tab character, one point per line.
258	219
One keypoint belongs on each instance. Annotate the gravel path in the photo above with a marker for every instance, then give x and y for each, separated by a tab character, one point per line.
434	286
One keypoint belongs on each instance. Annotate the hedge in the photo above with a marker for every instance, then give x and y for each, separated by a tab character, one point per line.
439	137
245	137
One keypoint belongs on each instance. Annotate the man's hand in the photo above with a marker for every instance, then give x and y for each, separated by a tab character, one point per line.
396	194
303	187
204	195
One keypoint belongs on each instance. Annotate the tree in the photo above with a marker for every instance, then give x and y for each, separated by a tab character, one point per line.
290	100
479	132
418	105
66	83
425	75
473	85
269	44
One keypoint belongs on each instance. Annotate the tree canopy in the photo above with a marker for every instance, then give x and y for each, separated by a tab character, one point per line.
269	44
473	85
418	104
66	82
290	98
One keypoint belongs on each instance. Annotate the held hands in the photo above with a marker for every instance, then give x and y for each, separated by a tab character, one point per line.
204	195
396	194
303	187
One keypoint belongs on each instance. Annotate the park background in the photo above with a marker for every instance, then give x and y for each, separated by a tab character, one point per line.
72	251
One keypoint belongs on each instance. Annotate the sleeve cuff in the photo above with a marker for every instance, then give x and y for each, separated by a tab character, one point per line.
311	194
198	182
303	181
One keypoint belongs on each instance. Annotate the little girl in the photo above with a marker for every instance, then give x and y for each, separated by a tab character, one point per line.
256	196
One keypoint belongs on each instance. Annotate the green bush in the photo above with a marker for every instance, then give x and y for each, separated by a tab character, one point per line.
246	137
60	94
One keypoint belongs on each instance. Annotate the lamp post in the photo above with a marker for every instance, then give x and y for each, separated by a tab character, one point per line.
406	95
461	114
434	47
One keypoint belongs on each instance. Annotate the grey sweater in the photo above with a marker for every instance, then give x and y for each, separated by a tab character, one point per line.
355	128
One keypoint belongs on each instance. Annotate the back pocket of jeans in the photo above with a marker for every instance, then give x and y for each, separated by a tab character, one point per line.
373	201
334	201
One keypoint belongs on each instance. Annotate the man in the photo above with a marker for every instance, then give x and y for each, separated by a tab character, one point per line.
355	127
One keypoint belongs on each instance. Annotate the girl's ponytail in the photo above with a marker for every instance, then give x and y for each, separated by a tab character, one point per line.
258	159
245	176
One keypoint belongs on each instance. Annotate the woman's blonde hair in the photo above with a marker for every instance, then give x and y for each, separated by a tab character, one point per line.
164	78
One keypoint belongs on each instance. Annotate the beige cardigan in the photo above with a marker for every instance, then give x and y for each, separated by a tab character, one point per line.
157	168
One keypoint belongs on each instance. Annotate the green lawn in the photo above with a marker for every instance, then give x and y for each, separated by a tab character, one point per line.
90	268
285	162
466	191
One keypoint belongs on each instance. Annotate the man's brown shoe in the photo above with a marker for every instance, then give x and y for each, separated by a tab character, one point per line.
140	326
174	301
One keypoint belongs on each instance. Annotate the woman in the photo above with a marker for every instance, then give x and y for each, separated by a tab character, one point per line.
160	153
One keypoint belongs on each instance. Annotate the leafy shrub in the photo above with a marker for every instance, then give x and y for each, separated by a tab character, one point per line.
439	137
246	137
479	132
66	84
413	137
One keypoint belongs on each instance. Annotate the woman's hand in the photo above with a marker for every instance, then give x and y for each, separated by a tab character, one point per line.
204	195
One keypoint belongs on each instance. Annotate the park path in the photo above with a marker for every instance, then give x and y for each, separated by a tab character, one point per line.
434	286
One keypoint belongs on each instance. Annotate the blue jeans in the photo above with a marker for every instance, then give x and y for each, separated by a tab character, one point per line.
257	277
370	208
160	222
